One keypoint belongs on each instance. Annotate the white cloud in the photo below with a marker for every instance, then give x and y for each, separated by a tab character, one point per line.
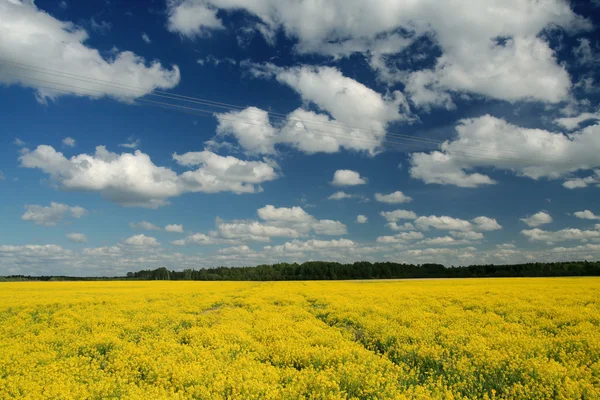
467	235
456	224
345	177
141	240
196	238
340	196
537	219
33	37
396	215
69	142
579	183
144	225
235	250
586	214
357	116
361	219
393	198
291	222
77	237
312	245
402	237
585	53
134	180
146	38
407	226
550	237
486	224
50	216
442	241
131	144
443	223
19	142
192	18
533	153
493	48
571	123
174	228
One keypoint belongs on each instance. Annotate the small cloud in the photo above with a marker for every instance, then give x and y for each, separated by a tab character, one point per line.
393	198
361	219
102	27
2	177
19	142
63	5
133	144
145	38
340	196
77	237
346	177
174	228
69	141
144	225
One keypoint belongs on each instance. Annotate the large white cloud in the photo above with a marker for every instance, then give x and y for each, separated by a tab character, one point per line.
492	142
140	241
51	215
33	37
356	116
134	180
490	47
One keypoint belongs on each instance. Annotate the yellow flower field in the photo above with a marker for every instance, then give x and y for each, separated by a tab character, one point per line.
444	339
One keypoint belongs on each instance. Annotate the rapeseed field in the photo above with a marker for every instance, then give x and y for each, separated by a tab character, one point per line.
423	339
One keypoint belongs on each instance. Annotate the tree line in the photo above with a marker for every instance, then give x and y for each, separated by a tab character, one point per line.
323	270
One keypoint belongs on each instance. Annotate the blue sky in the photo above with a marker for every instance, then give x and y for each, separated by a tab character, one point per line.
459	133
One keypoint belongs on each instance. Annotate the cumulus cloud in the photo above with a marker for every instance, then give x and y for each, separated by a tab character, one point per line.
533	153
144	225
340	196
77	237
140	241
579	183
393	198
537	219
69	142
586	214
361	219
456	224
407	226
292	222
571	123
146	38
192	18
346	177
494	48
312	245
354	116
550	237
33	37
51	215
174	228
402	237
134	180
396	215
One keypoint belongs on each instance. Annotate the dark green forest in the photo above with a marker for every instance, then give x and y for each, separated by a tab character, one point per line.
322	270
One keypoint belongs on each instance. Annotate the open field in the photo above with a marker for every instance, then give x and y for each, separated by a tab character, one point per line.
478	338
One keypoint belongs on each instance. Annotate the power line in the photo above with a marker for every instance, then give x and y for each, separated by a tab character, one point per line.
228	106
384	142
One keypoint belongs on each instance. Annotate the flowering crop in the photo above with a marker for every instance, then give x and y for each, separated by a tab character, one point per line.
443	339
